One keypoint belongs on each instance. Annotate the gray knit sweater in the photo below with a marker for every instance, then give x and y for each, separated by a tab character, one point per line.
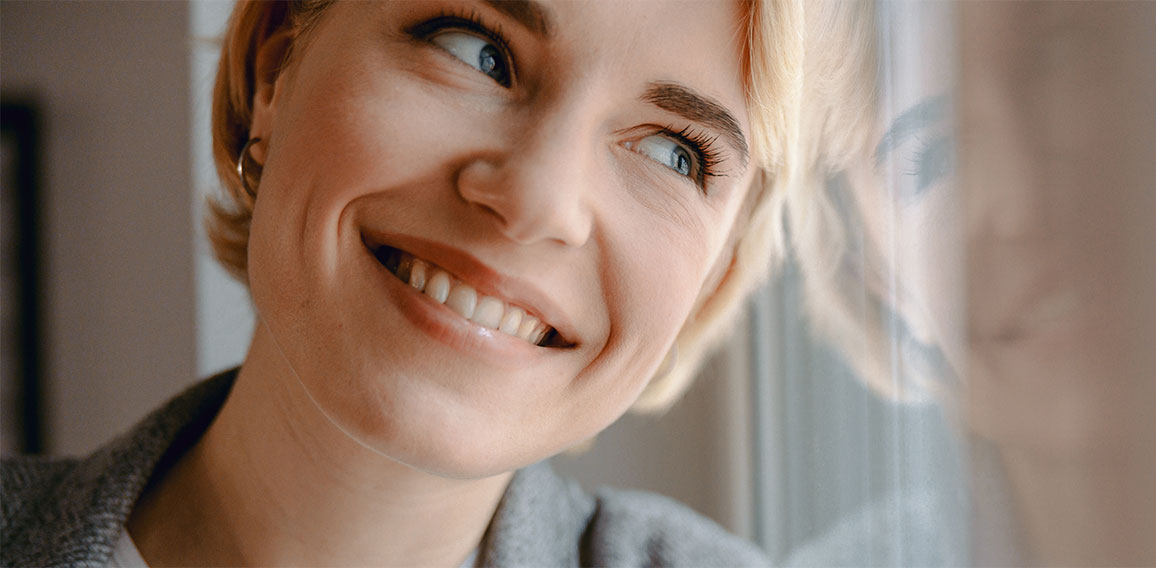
70	512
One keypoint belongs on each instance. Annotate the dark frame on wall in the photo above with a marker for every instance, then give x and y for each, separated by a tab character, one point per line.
22	398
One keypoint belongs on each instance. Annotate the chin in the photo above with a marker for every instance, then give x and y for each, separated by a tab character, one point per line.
432	427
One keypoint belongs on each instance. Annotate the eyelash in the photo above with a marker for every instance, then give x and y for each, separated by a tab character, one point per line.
470	21
926	171
706	153
701	145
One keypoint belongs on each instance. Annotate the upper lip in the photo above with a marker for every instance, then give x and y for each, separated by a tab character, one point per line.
485	280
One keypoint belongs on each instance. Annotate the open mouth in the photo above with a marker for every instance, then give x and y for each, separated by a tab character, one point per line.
486	311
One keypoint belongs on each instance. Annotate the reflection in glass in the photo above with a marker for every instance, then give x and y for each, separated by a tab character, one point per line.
956	356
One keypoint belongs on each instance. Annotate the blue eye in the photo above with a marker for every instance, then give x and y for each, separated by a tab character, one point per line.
933	162
476	52
666	152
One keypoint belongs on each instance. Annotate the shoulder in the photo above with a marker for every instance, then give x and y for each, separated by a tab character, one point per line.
27	484
638	528
25	480
916	527
69	512
546	520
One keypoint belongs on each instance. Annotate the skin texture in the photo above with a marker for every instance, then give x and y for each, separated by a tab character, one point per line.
354	416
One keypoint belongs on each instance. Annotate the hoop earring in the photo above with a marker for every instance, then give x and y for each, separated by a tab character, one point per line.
251	190
668	362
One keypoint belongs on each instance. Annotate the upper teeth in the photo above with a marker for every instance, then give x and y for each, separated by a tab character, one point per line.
486	311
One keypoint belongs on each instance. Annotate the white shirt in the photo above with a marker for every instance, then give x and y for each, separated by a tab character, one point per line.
125	554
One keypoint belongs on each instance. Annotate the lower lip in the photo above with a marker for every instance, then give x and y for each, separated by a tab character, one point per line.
448	327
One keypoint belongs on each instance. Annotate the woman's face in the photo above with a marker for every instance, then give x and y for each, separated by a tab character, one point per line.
577	163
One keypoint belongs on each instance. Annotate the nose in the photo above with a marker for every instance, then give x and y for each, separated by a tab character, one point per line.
538	191
1004	191
1004	163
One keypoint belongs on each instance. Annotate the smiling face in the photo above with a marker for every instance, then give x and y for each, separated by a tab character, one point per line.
480	227
1020	268
1057	178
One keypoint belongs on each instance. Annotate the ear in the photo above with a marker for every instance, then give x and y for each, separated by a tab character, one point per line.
269	82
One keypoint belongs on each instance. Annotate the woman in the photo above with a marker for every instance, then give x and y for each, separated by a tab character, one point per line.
473	233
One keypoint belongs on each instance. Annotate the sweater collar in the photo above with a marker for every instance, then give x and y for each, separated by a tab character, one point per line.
79	521
540	519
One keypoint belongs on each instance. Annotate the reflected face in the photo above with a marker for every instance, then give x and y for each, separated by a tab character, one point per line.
1036	233
480	226
1057	165
905	195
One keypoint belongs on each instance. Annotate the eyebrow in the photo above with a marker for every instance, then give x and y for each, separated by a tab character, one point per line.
911	121
530	14
681	100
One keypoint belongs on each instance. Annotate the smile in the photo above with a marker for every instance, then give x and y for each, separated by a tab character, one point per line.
489	312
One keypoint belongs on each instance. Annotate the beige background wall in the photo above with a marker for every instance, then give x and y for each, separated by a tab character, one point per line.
112	79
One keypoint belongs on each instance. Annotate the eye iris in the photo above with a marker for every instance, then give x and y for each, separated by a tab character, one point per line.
477	52
489	62
680	161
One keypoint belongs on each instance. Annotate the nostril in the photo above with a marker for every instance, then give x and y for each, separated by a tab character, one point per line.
491	211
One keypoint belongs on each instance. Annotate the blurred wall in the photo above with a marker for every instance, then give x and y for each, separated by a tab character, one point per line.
224	312
112	82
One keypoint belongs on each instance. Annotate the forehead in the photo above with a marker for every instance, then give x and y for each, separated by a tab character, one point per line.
921	56
614	45
693	33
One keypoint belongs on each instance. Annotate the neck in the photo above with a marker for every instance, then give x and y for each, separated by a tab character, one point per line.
274	482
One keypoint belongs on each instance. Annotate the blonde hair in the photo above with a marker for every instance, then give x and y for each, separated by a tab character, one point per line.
842	274
228	217
773	65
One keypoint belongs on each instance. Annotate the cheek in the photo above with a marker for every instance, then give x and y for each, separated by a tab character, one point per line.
913	250
653	279
350	133
362	138
933	263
